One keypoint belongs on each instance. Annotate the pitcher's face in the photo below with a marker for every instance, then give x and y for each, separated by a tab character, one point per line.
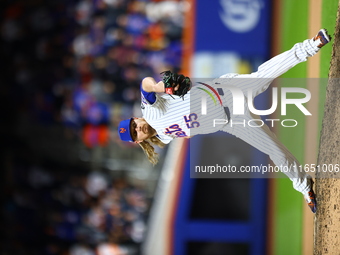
141	130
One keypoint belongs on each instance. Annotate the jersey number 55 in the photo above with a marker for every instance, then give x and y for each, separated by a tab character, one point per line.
191	120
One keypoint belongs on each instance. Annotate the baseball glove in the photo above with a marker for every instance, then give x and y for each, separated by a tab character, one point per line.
172	80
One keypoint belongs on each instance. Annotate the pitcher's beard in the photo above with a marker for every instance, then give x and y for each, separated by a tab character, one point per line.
151	131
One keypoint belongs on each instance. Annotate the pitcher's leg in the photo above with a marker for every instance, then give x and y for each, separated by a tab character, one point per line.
281	63
263	139
260	80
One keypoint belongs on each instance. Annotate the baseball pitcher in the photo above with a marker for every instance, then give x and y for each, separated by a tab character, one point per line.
172	108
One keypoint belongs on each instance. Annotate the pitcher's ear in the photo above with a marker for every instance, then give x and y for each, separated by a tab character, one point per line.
138	141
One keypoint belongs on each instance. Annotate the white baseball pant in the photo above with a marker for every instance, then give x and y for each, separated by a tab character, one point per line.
263	138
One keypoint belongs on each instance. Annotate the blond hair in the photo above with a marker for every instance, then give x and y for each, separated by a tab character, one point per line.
149	150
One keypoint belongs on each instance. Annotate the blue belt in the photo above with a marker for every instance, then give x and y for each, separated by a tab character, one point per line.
226	109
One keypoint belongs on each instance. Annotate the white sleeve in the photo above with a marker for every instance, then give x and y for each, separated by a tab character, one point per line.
164	138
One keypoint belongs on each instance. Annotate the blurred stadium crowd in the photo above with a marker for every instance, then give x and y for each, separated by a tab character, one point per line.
77	64
60	210
82	61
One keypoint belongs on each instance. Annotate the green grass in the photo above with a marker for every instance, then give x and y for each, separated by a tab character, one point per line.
288	233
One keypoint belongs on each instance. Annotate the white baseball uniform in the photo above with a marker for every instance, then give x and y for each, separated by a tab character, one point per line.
173	118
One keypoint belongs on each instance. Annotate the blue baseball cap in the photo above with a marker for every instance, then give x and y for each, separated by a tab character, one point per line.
124	130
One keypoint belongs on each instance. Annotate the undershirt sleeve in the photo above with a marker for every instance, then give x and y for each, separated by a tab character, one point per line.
149	96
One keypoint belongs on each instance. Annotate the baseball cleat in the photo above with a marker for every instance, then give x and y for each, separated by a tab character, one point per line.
322	38
310	198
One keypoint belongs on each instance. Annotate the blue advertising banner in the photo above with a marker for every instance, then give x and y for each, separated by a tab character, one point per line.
241	26
228	216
